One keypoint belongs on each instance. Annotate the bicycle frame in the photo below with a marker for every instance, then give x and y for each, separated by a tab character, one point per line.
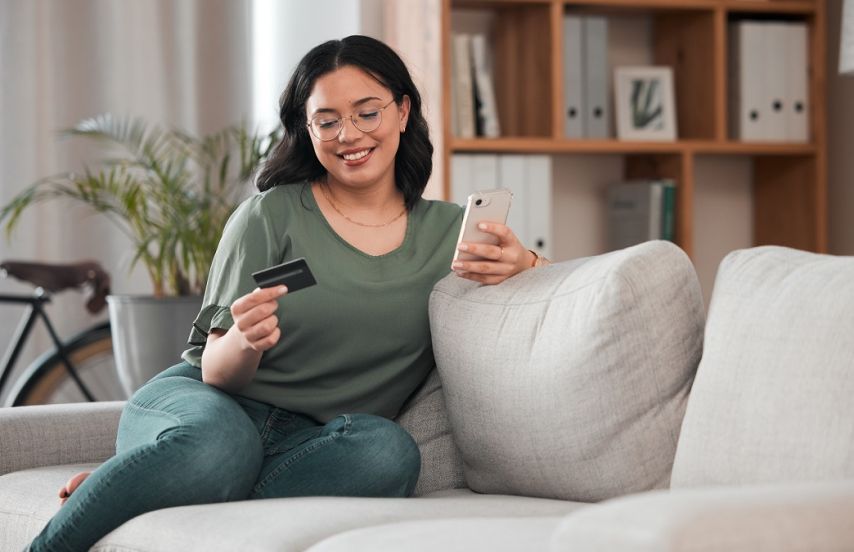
36	303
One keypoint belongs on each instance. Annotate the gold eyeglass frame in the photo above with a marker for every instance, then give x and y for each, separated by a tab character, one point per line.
340	122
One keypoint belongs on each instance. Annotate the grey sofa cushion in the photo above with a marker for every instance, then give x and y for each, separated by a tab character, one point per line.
295	524
570	381
425	418
774	396
28	499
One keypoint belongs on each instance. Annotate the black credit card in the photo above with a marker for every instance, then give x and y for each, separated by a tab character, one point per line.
295	274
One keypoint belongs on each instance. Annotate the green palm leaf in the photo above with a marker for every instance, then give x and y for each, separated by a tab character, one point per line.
170	192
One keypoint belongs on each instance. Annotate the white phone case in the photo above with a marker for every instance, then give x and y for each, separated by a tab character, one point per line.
483	206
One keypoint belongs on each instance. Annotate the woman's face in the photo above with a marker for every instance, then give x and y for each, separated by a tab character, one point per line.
354	157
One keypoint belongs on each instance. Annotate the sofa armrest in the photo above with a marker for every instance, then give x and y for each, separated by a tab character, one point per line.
784	517
34	436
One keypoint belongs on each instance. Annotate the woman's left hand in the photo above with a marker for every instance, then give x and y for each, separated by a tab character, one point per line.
497	262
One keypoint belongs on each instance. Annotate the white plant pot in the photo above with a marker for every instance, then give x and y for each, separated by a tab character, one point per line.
149	334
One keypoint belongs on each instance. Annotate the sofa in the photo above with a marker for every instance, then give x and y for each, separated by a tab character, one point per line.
590	405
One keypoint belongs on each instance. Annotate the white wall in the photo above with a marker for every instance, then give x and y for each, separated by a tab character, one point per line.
283	32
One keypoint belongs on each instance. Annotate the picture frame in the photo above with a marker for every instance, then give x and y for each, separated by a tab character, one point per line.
646	110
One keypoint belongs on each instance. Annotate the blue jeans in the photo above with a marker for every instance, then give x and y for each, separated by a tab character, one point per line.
182	442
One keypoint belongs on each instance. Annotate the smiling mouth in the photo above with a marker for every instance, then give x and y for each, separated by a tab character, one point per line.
357	155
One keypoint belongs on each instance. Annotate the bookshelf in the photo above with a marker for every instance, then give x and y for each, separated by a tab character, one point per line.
786	182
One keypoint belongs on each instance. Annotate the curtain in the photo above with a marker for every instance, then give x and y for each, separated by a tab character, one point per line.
173	63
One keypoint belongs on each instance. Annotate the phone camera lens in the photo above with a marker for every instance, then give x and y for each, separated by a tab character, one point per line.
478	202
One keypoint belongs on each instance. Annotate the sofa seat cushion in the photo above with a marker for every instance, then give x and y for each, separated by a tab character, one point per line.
28	499
505	534
570	381
773	400
295	524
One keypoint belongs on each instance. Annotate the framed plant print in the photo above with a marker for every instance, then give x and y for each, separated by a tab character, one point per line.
645	106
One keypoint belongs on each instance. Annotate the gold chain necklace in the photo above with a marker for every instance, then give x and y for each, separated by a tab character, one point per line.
337	210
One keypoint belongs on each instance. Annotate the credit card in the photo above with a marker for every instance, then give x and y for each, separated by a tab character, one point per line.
295	274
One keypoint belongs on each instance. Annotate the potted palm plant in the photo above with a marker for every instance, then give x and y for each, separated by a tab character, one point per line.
171	193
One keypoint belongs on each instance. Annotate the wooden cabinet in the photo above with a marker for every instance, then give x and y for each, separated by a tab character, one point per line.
786	182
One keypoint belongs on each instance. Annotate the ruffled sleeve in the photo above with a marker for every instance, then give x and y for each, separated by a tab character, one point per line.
249	243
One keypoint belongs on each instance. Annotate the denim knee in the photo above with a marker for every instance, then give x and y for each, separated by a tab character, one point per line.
212	441
219	458
390	452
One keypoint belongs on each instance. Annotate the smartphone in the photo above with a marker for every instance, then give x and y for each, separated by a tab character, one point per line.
295	274
483	206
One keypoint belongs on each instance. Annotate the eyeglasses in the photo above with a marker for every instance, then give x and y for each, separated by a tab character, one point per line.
325	128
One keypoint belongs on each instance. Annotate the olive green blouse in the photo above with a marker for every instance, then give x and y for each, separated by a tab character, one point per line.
358	341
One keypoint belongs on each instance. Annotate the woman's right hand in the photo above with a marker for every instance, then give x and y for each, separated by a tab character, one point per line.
255	318
230	358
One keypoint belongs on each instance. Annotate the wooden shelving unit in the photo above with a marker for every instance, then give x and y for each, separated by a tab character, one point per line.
789	181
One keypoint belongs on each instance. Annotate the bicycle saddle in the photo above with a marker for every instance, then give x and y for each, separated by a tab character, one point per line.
59	277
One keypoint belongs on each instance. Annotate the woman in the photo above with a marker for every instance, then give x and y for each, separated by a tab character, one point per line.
293	395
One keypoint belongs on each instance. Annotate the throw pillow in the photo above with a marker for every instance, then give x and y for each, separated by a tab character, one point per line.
570	381
772	401
425	418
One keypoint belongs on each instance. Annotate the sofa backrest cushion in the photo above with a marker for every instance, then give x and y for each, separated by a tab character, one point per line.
425	418
773	400
570	381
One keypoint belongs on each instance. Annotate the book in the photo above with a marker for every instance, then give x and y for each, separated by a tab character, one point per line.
486	110
463	86
639	211
668	211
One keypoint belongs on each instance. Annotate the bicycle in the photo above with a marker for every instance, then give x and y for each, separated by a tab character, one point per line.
78	369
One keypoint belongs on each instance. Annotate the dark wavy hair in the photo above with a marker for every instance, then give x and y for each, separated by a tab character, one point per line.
293	160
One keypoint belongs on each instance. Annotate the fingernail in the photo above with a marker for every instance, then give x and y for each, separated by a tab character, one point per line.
283	290
463	247
482	226
456	265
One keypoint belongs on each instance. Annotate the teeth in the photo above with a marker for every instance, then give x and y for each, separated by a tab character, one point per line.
355	156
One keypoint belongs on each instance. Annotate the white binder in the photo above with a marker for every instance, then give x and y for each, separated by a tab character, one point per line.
797	99
597	109
484	172
573	77
746	93
462	177
512	175
777	68
539	205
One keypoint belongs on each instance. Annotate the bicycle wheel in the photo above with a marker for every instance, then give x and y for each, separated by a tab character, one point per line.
47	380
